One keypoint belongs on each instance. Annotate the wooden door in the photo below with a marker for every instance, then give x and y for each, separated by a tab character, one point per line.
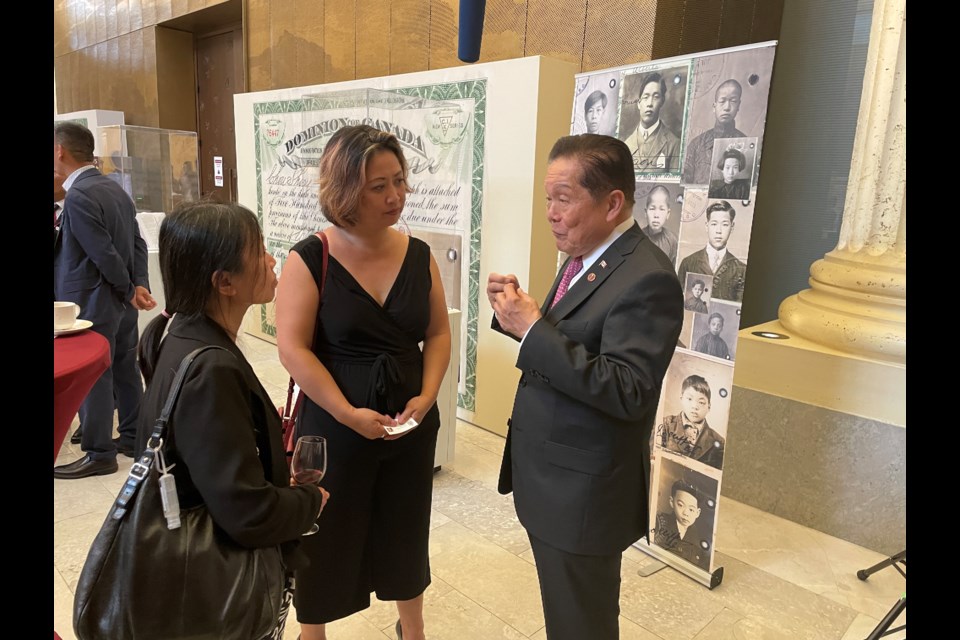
219	77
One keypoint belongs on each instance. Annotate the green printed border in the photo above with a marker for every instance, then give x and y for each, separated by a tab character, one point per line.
475	90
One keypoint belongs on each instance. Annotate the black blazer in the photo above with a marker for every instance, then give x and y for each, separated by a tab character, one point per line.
99	257
225	440
578	445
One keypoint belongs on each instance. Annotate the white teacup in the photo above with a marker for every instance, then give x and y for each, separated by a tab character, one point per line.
64	315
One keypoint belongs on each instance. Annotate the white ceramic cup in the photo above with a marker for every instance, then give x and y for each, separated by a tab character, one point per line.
64	315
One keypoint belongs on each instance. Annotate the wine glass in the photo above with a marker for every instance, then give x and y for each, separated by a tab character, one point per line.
309	464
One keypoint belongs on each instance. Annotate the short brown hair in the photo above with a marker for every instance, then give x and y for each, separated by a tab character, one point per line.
343	170
606	162
76	139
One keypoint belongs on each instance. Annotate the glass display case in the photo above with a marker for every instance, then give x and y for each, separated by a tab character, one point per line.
157	167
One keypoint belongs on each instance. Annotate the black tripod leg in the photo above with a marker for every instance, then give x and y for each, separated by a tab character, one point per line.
881	629
863	574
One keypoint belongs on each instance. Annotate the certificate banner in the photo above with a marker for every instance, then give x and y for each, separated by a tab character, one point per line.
442	140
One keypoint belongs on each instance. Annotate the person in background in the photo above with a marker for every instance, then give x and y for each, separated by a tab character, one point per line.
223	441
356	355
100	263
188	182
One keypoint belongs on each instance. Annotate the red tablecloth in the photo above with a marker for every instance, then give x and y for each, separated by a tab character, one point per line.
78	361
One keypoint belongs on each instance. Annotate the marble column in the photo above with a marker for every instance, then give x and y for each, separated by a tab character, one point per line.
857	302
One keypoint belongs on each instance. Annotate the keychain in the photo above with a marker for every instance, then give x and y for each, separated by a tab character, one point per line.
168	490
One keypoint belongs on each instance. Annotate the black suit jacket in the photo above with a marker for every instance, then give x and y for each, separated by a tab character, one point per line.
578	446
224	436
99	257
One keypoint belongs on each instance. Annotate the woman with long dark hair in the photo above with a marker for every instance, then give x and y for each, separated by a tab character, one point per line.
224	435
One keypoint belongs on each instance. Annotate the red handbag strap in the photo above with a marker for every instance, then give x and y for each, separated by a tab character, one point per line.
292	413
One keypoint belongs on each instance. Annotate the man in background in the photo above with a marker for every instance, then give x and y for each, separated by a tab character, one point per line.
100	263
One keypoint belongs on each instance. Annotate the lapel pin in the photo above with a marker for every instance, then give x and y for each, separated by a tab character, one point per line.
603	264
591	277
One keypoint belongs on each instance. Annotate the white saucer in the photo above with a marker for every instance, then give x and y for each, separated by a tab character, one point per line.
78	326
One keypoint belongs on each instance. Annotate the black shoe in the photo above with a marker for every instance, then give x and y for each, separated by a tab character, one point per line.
122	447
85	467
75	438
399	631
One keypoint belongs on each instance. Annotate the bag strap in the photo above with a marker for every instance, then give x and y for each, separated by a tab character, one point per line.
288	412
141	467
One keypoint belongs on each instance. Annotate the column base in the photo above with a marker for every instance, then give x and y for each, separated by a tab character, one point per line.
817	436
856	304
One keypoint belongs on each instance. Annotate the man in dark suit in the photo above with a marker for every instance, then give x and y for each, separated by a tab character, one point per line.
100	263
593	358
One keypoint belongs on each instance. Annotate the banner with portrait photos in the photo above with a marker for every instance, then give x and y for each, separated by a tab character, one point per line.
695	128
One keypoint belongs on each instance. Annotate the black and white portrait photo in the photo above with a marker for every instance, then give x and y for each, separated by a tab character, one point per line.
715	333
694	409
696	292
729	100
652	115
657	208
595	104
683	516
731	174
714	241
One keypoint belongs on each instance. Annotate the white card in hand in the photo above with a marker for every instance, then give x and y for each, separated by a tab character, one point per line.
401	428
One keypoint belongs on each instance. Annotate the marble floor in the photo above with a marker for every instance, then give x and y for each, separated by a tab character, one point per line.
782	581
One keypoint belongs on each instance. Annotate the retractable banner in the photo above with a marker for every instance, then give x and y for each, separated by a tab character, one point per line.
695	128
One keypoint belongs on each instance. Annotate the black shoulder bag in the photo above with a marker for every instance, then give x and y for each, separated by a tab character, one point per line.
145	581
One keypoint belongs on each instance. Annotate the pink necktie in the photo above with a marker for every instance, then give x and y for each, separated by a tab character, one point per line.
573	268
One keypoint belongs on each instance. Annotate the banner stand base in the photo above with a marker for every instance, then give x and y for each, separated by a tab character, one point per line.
650	568
706	578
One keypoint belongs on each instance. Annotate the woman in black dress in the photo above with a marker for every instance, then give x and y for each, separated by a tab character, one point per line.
356	355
